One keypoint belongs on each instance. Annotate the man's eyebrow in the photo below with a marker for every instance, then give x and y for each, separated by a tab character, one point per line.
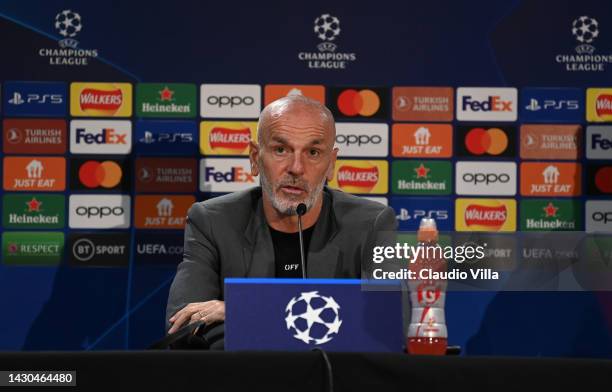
279	139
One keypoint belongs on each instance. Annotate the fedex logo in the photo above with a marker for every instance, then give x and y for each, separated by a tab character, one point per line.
100	137
497	104
599	142
225	175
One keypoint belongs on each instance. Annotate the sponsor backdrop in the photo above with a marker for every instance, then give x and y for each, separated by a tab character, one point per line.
115	122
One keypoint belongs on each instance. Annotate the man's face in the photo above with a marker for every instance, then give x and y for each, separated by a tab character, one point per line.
295	158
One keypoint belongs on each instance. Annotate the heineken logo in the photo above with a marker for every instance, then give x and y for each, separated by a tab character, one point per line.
421	177
550	215
165	100
33	211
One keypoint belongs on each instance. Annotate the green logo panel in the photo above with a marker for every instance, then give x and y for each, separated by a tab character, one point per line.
416	177
33	211
32	248
173	100
550	215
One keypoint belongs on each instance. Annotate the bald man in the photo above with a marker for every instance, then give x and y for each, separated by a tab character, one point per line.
253	233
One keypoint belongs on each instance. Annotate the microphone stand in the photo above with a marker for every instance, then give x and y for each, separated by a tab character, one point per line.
301	210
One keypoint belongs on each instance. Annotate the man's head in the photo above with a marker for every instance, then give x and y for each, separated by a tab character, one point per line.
294	154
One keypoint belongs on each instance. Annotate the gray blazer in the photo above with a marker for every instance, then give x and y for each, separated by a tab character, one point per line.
228	236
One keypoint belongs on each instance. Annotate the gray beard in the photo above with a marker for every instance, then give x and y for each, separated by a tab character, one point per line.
288	207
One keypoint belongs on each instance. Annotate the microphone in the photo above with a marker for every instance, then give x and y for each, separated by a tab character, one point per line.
301	210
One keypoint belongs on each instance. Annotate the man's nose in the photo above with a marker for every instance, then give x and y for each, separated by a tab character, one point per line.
297	166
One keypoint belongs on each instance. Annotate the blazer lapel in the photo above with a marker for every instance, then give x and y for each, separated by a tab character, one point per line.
258	252
322	255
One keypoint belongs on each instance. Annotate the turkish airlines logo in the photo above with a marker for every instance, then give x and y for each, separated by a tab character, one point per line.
362	139
99	211
550	141
45	136
486	178
423	104
497	104
166	175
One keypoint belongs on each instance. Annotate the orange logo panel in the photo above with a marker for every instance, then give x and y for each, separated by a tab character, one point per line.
422	140
550	179
161	211
34	173
272	92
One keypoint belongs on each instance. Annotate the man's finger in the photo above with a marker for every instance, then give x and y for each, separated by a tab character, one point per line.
179	322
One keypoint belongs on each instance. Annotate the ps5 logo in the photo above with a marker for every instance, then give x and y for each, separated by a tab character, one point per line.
18	99
164	137
552	104
404	214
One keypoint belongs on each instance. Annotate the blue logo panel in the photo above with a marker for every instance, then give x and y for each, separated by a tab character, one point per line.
410	210
34	99
159	248
166	137
552	105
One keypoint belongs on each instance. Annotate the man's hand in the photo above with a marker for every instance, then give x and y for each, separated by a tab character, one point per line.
209	312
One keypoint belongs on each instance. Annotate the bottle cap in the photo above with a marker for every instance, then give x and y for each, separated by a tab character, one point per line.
428	224
428	230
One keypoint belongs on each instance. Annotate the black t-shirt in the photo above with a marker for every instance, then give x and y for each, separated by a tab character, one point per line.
287	260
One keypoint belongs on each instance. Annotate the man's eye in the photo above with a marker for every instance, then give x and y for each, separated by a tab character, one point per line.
314	153
279	150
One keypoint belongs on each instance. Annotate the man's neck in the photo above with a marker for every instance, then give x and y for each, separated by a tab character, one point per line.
288	223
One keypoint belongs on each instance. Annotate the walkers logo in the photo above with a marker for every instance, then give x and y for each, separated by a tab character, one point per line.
27	136
166	137
68	24
423	104
486	104
486	142
421	177
100	136
585	30
486	178
599	216
23	99
226	137
165	100
599	104
162	211
422	140
550	179
34	174
32	248
485	215
157	248
107	249
359	102
362	139
599	142
361	176
327	29
551	215
166	175
99	211
101	175
33	211
552	104
599	179
272	92
230	100
551	141
226	175
410	211
101	99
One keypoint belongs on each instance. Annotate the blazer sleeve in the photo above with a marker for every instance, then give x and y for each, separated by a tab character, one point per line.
382	233
197	276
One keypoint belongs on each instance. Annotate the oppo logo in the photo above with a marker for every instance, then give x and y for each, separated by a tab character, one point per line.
486	178
358	139
224	100
99	212
600	216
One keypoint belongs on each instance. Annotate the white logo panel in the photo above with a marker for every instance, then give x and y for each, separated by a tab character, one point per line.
486	104
225	175
100	137
230	100
99	212
485	178
362	139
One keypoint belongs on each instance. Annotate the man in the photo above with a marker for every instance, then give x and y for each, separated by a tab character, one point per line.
253	233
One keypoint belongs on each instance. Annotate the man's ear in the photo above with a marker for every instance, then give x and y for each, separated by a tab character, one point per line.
332	164
254	157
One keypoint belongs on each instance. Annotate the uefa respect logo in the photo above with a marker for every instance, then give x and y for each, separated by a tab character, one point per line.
327	29
68	24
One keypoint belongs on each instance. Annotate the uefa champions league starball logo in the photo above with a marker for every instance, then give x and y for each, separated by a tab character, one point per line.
585	29
68	24
327	28
313	318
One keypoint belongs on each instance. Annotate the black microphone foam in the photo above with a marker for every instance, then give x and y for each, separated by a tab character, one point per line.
301	209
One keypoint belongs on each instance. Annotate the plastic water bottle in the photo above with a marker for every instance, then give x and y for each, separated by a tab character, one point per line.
427	333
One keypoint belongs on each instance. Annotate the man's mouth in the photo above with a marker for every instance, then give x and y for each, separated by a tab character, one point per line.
293	190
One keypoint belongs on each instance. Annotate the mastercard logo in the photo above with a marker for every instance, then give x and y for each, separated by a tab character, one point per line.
492	141
603	179
94	174
353	102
